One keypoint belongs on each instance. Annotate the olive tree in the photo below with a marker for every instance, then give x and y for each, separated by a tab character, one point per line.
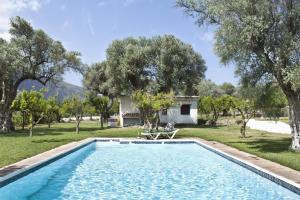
157	64
271	101
209	88
262	38
31	54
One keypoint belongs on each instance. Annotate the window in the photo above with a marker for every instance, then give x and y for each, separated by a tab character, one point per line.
185	109
164	112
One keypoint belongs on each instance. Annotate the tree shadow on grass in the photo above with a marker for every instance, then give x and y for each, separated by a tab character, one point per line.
267	145
37	132
53	140
199	126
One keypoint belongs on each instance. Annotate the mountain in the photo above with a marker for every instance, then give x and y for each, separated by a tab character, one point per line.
62	89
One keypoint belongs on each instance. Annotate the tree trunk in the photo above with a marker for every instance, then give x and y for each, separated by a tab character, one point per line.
8	95
243	129
6	124
31	124
157	120
294	120
101	120
49	123
23	120
30	131
77	124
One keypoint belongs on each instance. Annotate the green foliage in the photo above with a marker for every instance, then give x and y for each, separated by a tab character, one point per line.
33	104
178	67
18	119
114	108
158	64
96	80
150	105
73	106
209	88
208	105
30	54
247	110
101	105
293	77
262	39
271	101
205	105
88	108
143	101
52	110
228	88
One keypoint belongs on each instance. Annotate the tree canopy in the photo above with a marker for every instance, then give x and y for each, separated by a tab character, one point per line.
33	104
31	54
262	38
158	64
73	107
150	105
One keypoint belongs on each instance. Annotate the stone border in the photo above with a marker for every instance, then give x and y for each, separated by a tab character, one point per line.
284	176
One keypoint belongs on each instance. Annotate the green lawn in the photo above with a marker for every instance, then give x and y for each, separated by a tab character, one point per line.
17	146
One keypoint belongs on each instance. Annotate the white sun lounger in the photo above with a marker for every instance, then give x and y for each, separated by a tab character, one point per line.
155	135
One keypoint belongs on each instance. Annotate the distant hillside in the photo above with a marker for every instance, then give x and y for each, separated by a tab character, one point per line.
62	90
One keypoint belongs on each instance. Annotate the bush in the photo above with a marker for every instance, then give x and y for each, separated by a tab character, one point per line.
18	119
258	114
202	121
238	121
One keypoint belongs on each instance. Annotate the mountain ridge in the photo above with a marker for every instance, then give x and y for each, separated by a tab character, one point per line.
61	89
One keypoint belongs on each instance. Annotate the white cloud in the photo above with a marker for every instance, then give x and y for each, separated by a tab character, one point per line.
207	37
128	2
101	3
65	25
5	35
90	24
125	3
9	8
63	7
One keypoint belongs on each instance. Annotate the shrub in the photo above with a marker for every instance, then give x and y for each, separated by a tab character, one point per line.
238	121
202	121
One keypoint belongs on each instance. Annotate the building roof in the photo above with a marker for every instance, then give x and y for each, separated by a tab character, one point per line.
181	96
187	97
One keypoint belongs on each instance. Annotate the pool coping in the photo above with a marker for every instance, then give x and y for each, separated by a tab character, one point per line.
284	176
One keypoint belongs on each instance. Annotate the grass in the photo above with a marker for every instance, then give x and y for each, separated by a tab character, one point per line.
271	146
17	146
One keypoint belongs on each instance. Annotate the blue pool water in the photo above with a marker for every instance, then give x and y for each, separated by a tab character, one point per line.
143	171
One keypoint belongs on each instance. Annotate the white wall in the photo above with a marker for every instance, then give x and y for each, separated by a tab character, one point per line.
126	106
174	115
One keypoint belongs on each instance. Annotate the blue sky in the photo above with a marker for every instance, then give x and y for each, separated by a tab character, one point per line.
90	26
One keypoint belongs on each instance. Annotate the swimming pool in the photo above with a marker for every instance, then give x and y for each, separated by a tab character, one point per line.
111	170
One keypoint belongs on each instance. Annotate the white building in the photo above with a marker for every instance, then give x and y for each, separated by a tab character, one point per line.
184	111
